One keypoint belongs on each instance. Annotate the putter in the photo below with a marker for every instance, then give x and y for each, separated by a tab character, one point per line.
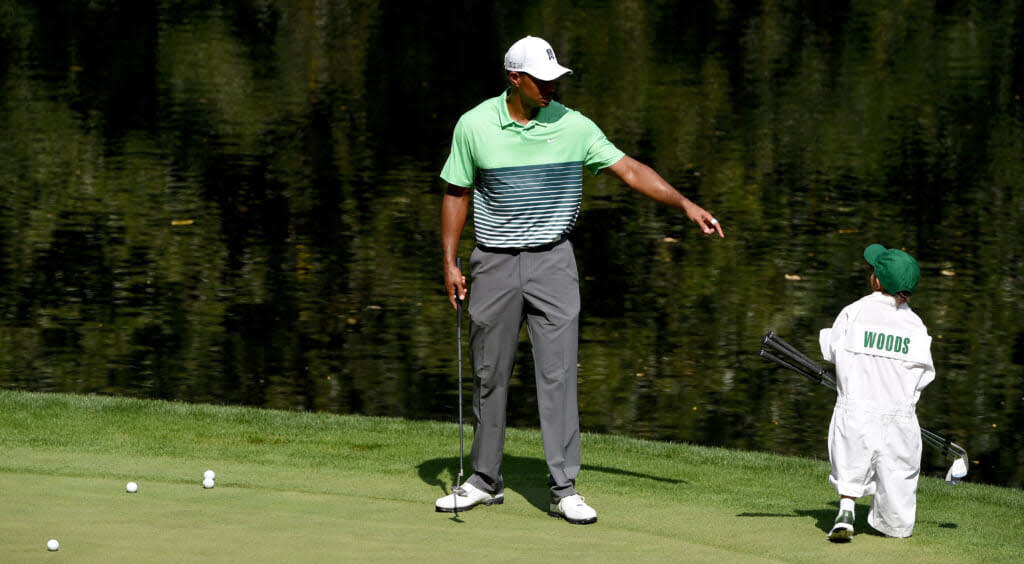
458	490
802	364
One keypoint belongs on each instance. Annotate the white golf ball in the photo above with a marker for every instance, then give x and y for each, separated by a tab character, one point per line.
208	483
52	545
209	475
132	487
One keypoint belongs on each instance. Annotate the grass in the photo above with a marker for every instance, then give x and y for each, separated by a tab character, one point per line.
305	487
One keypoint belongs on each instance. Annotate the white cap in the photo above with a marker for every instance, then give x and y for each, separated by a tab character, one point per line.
535	57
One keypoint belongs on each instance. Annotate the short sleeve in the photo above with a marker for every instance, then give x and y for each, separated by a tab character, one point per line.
831	338
460	168
601	153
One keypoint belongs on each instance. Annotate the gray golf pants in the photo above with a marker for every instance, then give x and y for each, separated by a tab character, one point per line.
542	288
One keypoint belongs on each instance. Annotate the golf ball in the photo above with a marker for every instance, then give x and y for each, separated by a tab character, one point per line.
209	475
208	483
52	545
132	487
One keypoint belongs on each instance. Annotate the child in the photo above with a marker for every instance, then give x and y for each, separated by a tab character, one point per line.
882	354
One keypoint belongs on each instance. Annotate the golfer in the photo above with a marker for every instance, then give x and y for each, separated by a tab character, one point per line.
882	354
519	157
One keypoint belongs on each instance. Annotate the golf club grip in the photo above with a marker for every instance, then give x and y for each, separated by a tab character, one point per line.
776	342
798	369
458	324
458	300
789	350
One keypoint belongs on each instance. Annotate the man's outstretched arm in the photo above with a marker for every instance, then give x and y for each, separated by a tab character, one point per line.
646	181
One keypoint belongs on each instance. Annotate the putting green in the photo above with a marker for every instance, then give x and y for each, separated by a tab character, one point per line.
300	487
95	520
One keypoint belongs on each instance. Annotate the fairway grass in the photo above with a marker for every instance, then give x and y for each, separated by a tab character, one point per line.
307	487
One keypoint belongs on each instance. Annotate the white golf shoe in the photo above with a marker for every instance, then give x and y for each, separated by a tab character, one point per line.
573	509
467	499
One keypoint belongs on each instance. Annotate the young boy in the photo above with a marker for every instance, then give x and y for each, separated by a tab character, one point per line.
882	354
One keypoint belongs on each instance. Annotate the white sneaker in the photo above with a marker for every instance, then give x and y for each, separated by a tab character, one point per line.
468	498
574	509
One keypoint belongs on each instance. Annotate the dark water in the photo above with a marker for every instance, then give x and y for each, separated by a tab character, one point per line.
237	202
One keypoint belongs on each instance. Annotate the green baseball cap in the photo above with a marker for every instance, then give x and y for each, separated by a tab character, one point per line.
895	269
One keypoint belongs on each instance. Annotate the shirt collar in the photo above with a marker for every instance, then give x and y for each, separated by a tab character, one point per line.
880	297
506	120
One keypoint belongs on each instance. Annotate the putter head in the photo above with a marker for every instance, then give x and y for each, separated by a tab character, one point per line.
957	471
459	490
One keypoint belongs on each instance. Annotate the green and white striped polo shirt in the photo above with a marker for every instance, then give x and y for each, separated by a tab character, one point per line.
528	179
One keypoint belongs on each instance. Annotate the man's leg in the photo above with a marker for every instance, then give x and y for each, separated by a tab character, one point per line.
551	285
496	313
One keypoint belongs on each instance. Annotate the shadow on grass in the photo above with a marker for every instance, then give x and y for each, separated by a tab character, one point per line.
527	476
825	518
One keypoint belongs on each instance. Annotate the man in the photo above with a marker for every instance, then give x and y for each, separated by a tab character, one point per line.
520	157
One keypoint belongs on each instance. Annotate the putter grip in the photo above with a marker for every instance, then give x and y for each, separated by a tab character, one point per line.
458	300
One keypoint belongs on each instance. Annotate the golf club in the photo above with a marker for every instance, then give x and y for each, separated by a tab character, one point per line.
457	490
802	364
815	372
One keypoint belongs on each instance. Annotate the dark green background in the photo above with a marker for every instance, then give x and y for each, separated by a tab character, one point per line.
237	201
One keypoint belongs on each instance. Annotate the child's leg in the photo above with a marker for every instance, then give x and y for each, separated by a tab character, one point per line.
850	452
894	507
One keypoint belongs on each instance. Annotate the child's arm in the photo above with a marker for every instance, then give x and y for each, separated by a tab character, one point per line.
830	338
828	348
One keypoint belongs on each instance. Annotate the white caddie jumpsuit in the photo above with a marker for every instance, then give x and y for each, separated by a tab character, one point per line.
883	360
